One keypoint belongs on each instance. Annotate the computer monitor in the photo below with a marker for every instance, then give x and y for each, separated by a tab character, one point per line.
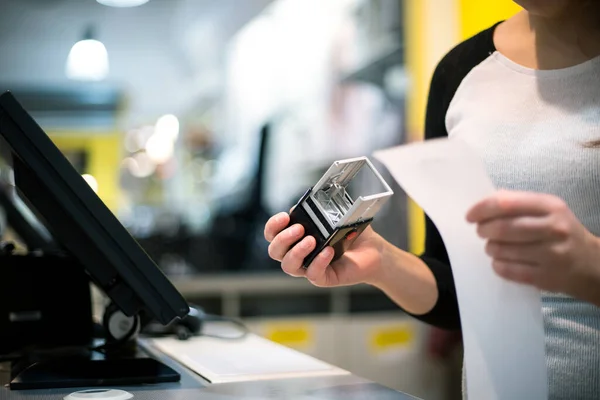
32	234
79	221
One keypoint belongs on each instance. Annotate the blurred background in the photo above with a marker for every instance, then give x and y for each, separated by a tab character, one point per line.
195	120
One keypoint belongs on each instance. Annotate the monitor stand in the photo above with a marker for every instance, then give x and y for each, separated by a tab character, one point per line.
89	370
47	330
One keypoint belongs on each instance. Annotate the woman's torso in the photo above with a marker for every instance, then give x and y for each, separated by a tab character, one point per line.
531	129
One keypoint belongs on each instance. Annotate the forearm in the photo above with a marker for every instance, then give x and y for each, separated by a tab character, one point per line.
407	280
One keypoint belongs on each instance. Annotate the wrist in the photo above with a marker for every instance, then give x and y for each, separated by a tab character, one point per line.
381	269
594	266
587	284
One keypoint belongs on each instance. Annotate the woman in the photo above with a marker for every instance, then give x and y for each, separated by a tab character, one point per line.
525	94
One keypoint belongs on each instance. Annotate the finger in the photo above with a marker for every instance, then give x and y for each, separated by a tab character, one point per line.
292	261
284	241
525	253
511	204
318	271
516	229
276	224
516	272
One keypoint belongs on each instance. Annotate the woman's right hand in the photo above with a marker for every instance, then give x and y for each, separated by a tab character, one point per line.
361	263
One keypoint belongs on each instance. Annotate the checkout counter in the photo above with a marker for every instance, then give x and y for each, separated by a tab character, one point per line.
217	369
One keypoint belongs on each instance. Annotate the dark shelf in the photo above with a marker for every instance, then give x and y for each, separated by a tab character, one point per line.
269	305
371	302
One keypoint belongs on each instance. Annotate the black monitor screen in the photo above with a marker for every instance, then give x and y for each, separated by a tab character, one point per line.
80	222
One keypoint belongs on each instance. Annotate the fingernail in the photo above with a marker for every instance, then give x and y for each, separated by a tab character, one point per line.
296	230
306	243
280	218
327	252
468	217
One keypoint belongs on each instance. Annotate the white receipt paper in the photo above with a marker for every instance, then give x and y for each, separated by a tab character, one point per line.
502	326
249	359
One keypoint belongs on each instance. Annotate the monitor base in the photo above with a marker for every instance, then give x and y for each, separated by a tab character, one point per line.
71	372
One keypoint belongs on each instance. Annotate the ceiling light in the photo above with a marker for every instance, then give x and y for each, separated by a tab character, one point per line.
122	3
87	60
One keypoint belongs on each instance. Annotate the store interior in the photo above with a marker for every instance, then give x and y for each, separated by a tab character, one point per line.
196	120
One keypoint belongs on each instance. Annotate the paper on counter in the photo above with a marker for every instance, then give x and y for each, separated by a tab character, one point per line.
501	321
249	359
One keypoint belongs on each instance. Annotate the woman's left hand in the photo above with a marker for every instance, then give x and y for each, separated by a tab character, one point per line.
535	239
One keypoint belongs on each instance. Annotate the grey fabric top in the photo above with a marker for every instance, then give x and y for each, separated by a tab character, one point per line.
530	132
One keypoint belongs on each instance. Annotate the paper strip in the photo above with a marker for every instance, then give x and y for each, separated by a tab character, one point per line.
502	324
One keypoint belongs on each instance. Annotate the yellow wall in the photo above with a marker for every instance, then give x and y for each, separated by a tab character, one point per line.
432	27
477	15
415	39
103	152
415	57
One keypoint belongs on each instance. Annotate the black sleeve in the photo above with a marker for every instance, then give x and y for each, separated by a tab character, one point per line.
448	75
